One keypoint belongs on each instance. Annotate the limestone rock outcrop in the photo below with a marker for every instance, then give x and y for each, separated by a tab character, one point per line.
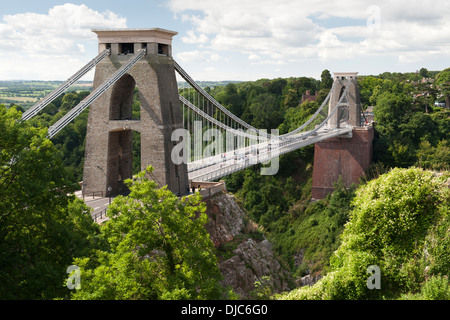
245	255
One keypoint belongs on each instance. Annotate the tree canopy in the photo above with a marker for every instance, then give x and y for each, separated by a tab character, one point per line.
41	228
326	80
158	249
397	225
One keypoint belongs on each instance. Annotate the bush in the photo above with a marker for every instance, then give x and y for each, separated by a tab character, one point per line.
398	225
436	288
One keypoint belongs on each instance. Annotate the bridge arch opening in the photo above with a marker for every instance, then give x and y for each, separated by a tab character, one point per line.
125	103
341	92
124	145
343	111
124	159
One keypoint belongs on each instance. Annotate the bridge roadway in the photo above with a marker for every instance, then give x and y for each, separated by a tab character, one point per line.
212	168
99	204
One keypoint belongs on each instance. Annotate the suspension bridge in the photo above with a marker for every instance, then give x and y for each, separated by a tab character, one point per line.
186	135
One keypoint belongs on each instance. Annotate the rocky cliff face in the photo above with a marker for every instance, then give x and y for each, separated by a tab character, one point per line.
245	255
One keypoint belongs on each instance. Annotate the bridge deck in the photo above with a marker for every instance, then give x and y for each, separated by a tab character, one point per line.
212	168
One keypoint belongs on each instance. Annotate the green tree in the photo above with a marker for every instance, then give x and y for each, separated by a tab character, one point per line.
437	158
158	249
393	146
368	89
389	226
323	93
51	109
391	108
423	72
230	98
326	80
295	117
443	82
276	86
69	101
265	112
41	228
291	99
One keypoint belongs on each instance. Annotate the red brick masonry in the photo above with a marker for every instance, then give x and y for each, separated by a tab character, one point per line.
346	157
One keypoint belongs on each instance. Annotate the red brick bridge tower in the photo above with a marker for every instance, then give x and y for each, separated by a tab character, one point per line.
347	156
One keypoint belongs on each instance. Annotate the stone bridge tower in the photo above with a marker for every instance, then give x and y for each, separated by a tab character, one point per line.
351	111
112	121
346	157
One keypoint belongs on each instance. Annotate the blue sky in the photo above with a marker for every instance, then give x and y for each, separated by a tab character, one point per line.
232	39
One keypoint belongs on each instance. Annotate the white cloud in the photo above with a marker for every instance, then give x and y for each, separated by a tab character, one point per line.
327	30
204	56
44	42
189	56
253	56
68	21
192	38
215	57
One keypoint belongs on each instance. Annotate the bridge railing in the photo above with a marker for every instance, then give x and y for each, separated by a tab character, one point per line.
93	193
266	156
99	216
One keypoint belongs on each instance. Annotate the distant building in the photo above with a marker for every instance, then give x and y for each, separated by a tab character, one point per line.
427	80
423	94
309	97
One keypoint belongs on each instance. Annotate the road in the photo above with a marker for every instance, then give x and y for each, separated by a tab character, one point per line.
98	204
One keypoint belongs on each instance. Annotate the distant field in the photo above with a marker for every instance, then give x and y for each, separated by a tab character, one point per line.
19	99
84	84
27	93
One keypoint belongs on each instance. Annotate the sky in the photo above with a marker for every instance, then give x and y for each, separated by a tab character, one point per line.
241	40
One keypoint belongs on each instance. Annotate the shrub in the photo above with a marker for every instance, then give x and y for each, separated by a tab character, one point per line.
395	219
436	288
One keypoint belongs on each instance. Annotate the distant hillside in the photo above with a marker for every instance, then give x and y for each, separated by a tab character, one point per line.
204	84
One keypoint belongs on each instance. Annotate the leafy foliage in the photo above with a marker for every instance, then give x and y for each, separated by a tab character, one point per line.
313	231
409	131
41	228
158	249
71	140
436	288
263	103
389	227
